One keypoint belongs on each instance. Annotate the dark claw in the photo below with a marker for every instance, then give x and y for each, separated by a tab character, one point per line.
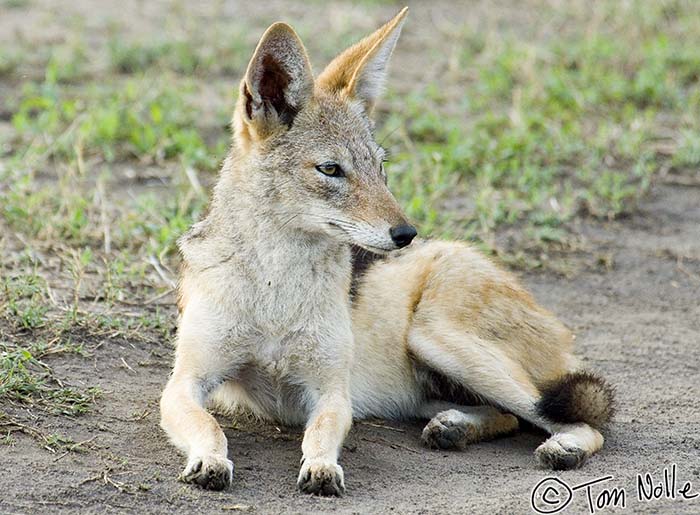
446	436
210	478
325	485
574	458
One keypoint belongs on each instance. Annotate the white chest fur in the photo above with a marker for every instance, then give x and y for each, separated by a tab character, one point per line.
280	303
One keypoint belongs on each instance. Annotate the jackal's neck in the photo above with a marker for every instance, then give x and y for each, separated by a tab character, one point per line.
243	223
244	204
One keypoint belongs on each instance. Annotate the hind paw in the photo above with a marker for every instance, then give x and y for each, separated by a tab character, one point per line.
449	430
555	454
454	429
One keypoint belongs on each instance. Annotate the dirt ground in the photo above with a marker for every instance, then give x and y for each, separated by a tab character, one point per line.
637	323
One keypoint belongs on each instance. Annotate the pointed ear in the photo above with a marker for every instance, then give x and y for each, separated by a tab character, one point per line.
278	83
360	71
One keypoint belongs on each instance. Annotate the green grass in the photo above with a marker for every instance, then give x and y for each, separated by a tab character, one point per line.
25	301
215	51
26	379
15	4
141	119
8	62
104	147
539	148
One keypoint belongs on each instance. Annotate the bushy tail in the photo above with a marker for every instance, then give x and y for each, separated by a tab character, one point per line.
578	397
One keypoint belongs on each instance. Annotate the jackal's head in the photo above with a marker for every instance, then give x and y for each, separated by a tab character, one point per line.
308	143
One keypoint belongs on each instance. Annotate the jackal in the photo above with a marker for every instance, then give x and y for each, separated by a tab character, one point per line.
300	216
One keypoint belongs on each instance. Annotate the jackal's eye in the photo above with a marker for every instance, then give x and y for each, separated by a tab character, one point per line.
330	169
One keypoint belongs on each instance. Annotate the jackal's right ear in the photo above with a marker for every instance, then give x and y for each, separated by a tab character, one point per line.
278	83
360	71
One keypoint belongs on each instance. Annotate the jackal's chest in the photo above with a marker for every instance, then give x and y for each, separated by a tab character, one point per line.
270	390
277	355
289	305
274	380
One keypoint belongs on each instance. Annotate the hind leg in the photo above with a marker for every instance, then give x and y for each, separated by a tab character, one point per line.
452	426
482	368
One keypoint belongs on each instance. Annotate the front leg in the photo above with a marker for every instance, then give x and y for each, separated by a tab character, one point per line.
199	368
330	421
194	431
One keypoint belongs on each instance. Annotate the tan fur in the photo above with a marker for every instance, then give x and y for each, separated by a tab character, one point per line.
266	322
351	73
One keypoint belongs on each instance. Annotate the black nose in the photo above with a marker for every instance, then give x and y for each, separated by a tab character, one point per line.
403	234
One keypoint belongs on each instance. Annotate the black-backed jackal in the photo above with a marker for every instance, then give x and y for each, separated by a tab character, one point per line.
268	321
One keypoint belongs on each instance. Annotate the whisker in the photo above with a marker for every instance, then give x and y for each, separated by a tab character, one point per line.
386	136
287	222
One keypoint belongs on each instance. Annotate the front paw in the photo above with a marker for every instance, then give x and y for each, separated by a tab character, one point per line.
320	477
210	472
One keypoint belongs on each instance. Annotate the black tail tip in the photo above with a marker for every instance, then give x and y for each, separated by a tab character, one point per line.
578	397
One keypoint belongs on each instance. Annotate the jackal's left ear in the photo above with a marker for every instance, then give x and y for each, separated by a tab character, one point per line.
278	83
360	71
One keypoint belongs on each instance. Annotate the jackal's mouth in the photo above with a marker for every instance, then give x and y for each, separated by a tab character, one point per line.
372	248
354	241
